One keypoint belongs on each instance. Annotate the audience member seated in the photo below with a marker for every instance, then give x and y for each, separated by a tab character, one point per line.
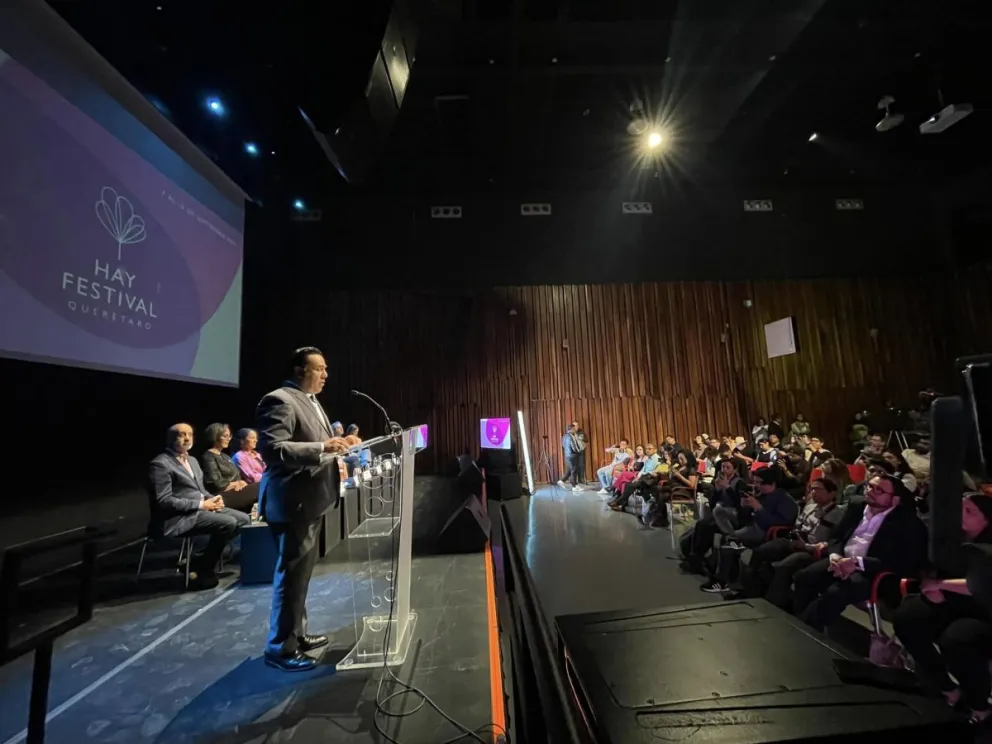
875	466
634	467
947	631
182	507
699	445
247	459
759	431
222	476
766	452
621	454
728	489
816	455
625	484
337	429
682	480
800	427
768	507
773	564
874	448
879	534
836	470
901	469
352	431
793	473
918	458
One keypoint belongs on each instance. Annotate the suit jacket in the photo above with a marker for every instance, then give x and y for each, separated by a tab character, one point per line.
175	494
300	482
900	545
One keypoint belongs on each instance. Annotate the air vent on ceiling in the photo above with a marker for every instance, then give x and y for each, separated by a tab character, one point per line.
446	213
849	204
535	210
637	208
758	205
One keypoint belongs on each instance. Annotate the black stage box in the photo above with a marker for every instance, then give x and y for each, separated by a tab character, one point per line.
732	673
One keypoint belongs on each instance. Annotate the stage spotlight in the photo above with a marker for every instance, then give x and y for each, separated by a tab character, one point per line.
215	106
298	205
251	148
814	137
526	446
654	140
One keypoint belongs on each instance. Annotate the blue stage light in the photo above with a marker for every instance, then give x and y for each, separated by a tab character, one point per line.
215	106
251	148
299	205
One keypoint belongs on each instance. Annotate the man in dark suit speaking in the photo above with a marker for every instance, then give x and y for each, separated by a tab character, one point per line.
301	482
181	506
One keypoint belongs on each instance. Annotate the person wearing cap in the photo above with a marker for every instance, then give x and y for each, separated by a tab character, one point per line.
947	630
880	534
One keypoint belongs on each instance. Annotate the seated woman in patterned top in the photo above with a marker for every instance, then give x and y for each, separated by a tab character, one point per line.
221	475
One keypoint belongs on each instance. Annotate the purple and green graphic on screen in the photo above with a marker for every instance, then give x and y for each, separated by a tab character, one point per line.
105	261
494	433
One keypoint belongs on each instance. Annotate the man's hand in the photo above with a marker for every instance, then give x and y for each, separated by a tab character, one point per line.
213	504
798	545
336	446
842	567
818	548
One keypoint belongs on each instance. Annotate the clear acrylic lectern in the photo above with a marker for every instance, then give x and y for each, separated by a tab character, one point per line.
381	549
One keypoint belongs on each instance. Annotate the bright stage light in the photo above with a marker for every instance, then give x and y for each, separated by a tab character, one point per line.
299	206
814	137
654	139
523	441
216	106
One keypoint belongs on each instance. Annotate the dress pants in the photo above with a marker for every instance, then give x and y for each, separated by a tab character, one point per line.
221	527
772	567
820	598
962	629
605	476
296	548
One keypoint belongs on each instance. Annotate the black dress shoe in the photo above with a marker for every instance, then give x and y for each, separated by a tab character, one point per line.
310	642
297	662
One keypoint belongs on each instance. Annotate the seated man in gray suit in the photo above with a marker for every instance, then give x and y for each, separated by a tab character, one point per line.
301	481
181	506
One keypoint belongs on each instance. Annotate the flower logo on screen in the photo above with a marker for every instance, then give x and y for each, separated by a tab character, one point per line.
118	218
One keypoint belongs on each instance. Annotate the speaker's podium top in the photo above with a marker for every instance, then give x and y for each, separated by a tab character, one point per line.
417	433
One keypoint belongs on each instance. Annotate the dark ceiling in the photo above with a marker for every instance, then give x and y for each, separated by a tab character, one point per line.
537	92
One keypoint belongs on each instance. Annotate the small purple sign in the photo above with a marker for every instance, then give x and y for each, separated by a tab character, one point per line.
495	433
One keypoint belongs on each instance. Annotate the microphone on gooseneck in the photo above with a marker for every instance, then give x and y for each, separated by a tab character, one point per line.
393	428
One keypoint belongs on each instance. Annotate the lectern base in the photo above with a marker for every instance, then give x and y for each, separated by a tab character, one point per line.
370	651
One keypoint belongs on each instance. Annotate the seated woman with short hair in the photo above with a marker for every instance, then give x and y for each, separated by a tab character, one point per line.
221	475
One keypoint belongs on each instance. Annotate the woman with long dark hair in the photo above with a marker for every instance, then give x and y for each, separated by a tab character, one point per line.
221	476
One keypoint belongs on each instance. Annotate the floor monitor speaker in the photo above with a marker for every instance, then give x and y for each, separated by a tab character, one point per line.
467	530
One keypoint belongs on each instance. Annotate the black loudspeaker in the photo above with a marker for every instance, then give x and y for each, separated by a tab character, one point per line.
469	480
947	453
354	140
467	530
503	486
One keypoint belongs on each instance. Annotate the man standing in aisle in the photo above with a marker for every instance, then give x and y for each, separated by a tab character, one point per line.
294	438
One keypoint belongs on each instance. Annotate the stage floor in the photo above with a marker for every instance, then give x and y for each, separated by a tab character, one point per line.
586	558
187	668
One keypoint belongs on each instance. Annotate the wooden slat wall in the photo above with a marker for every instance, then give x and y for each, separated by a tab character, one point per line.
645	360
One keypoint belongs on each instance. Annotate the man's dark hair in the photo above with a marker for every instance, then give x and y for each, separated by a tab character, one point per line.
766	476
880	462
829	485
299	358
214	432
898	488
